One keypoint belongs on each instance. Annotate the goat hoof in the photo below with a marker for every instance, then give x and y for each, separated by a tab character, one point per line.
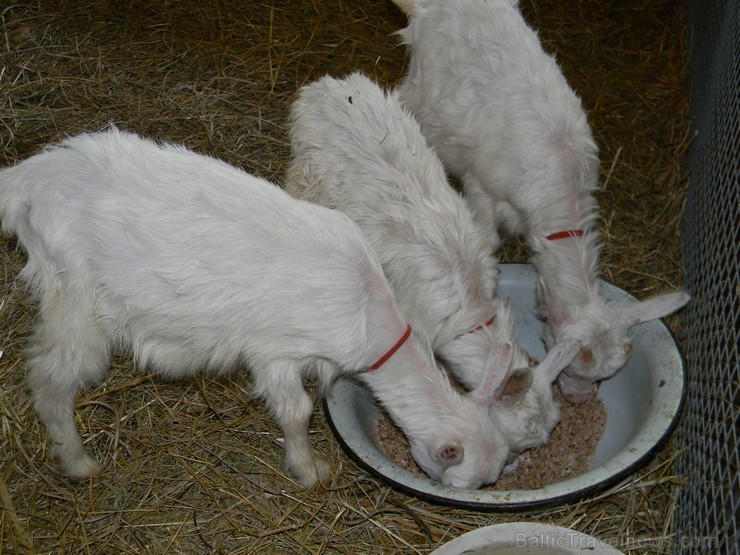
81	468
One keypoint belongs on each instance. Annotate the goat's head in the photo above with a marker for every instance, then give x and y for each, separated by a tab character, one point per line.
468	448
603	331
528	414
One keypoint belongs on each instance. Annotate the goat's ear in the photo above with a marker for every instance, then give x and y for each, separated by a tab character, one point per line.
514	388
551	305
654	308
449	454
557	358
494	374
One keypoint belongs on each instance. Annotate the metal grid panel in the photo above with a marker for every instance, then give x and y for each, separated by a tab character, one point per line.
707	506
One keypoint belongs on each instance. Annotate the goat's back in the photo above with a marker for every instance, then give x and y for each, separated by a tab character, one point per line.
181	249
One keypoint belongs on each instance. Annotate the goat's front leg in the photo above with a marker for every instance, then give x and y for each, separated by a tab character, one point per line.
281	386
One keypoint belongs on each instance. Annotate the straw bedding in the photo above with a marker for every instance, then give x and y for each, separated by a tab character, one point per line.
195	466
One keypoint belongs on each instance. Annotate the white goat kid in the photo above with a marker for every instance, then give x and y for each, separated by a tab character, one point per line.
195	265
355	148
502	117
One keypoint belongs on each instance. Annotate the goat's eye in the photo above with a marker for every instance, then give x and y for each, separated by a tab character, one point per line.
627	348
587	357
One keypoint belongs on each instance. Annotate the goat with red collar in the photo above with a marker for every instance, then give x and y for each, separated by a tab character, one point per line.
356	149
191	264
501	116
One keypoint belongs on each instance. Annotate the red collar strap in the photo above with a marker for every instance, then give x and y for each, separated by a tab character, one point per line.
565	234
479	327
382	360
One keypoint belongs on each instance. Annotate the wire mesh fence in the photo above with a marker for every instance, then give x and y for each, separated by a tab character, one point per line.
707	505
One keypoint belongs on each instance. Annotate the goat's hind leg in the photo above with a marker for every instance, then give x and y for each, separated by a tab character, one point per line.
69	350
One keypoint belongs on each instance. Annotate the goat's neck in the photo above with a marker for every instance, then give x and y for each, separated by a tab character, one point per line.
410	388
569	265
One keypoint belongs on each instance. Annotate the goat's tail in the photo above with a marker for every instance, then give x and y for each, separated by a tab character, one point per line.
12	203
4	182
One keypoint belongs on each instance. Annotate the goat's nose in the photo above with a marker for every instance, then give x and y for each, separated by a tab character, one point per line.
575	391
577	398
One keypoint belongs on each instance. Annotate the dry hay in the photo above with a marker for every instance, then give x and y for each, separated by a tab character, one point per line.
194	466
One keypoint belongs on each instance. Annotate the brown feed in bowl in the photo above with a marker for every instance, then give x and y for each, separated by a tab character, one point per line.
567	454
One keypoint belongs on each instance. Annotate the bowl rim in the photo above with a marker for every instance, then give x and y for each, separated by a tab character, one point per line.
506	534
499	503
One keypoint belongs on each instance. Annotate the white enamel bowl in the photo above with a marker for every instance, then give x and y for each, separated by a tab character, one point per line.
642	401
525	538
